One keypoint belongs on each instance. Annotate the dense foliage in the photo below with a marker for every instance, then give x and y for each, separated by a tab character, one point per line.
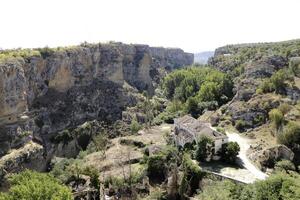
192	176
277	82
278	186
198	88
230	151
290	135
231	58
158	164
30	185
204	148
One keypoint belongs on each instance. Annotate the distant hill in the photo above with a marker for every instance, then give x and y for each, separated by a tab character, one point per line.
203	57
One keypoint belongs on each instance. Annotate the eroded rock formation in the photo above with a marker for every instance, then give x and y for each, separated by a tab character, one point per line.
62	88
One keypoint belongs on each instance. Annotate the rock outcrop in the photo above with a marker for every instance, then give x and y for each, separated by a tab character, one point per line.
64	87
268	157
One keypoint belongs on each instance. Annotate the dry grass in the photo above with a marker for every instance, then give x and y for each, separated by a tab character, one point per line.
118	156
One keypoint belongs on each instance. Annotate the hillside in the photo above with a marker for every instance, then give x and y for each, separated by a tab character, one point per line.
138	122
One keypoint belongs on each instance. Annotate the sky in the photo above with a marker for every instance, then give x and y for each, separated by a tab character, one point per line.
193	25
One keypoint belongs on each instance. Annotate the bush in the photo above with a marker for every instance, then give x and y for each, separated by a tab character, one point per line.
277	118
158	164
284	108
156	167
278	186
240	125
135	126
204	148
30	185
192	176
285	165
229	151
291	135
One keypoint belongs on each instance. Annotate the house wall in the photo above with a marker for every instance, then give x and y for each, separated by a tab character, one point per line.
219	142
183	136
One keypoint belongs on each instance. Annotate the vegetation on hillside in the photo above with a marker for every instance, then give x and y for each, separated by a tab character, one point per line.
278	186
30	185
195	89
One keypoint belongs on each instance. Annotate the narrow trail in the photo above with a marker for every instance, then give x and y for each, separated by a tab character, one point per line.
243	159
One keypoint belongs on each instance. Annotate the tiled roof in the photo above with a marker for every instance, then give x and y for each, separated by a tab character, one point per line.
198	128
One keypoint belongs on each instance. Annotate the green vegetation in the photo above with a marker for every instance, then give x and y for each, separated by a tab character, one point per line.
135	126
217	190
204	148
18	53
198	88
291	135
192	176
277	118
294	66
30	185
240	125
230	151
278	186
285	165
100	142
158	164
237	55
277	82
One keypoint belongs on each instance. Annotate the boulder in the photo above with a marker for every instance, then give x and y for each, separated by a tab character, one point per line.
268	157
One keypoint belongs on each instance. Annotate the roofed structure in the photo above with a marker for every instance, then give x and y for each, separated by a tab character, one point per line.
189	130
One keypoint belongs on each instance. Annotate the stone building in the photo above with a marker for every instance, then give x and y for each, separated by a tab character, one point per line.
189	130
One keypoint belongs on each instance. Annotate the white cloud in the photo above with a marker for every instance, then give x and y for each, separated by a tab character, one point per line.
194	25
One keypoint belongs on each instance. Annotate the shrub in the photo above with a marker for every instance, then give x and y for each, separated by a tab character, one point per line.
294	66
229	151
156	167
221	130
192	176
59	169
291	135
93	173
277	118
284	108
278	80
240	125
30	185
266	86
158	164
135	126
285	165
204	148
64	136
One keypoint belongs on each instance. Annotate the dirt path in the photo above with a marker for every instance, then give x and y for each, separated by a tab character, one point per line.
243	159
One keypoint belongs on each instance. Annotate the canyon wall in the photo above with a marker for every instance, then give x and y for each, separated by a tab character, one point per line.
62	88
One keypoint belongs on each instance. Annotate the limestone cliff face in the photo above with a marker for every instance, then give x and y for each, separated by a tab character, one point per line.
41	95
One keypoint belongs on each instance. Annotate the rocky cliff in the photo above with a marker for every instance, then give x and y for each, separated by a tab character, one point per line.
55	89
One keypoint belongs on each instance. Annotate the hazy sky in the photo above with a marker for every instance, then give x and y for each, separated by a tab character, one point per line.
194	25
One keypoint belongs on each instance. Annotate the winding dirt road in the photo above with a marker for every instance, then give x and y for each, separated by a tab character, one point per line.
242	157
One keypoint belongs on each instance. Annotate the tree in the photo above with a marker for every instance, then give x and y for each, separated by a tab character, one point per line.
192	176
229	151
100	141
277	118
30	185
204	148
